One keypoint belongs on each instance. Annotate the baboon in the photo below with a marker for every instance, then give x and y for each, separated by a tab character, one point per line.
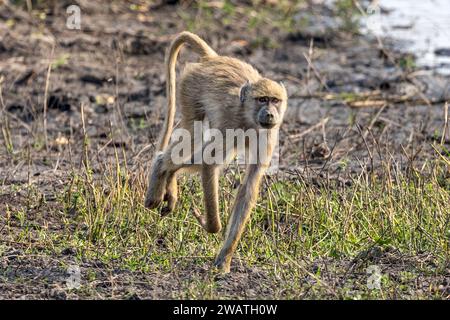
230	94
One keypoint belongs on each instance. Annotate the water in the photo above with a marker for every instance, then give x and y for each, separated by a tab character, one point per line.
421	26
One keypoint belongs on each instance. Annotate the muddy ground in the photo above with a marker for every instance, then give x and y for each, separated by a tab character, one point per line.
352	98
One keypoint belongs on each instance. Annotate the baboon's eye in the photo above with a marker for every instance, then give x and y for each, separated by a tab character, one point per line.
263	100
274	100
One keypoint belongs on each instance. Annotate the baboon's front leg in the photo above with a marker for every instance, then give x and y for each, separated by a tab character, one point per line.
245	201
210	221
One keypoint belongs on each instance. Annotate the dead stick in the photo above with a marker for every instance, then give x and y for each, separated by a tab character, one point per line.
312	128
47	84
444	133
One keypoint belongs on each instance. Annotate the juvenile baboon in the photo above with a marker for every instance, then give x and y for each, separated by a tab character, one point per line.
230	94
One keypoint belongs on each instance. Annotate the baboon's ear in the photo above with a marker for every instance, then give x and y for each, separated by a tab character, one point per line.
243	93
284	88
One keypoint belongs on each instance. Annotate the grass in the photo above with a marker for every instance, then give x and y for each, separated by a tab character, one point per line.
280	15
349	14
295	222
257	15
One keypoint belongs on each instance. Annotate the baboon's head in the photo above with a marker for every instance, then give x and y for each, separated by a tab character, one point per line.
265	102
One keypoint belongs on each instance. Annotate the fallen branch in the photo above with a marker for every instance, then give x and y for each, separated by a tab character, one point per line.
367	99
298	136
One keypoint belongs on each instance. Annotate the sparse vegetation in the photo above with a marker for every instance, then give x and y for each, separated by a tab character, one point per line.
296	223
369	187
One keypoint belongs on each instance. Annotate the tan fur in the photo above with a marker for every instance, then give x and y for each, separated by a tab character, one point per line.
200	47
224	91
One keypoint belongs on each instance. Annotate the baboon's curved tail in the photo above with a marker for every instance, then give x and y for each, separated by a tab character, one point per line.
198	46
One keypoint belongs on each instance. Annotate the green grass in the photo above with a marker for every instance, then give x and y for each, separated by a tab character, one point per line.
280	15
410	214
295	221
257	15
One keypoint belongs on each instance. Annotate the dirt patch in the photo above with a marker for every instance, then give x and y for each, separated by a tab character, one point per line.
33	276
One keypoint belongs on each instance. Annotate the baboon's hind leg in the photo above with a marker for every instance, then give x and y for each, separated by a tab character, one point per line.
210	221
171	195
157	182
163	178
162	184
171	191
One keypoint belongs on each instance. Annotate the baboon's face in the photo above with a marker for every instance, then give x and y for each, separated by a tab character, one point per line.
265	102
268	111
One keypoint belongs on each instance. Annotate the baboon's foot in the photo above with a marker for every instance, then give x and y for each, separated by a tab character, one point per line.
157	184
210	227
223	264
154	197
171	200
171	195
151	202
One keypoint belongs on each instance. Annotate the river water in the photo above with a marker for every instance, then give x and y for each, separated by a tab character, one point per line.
421	27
